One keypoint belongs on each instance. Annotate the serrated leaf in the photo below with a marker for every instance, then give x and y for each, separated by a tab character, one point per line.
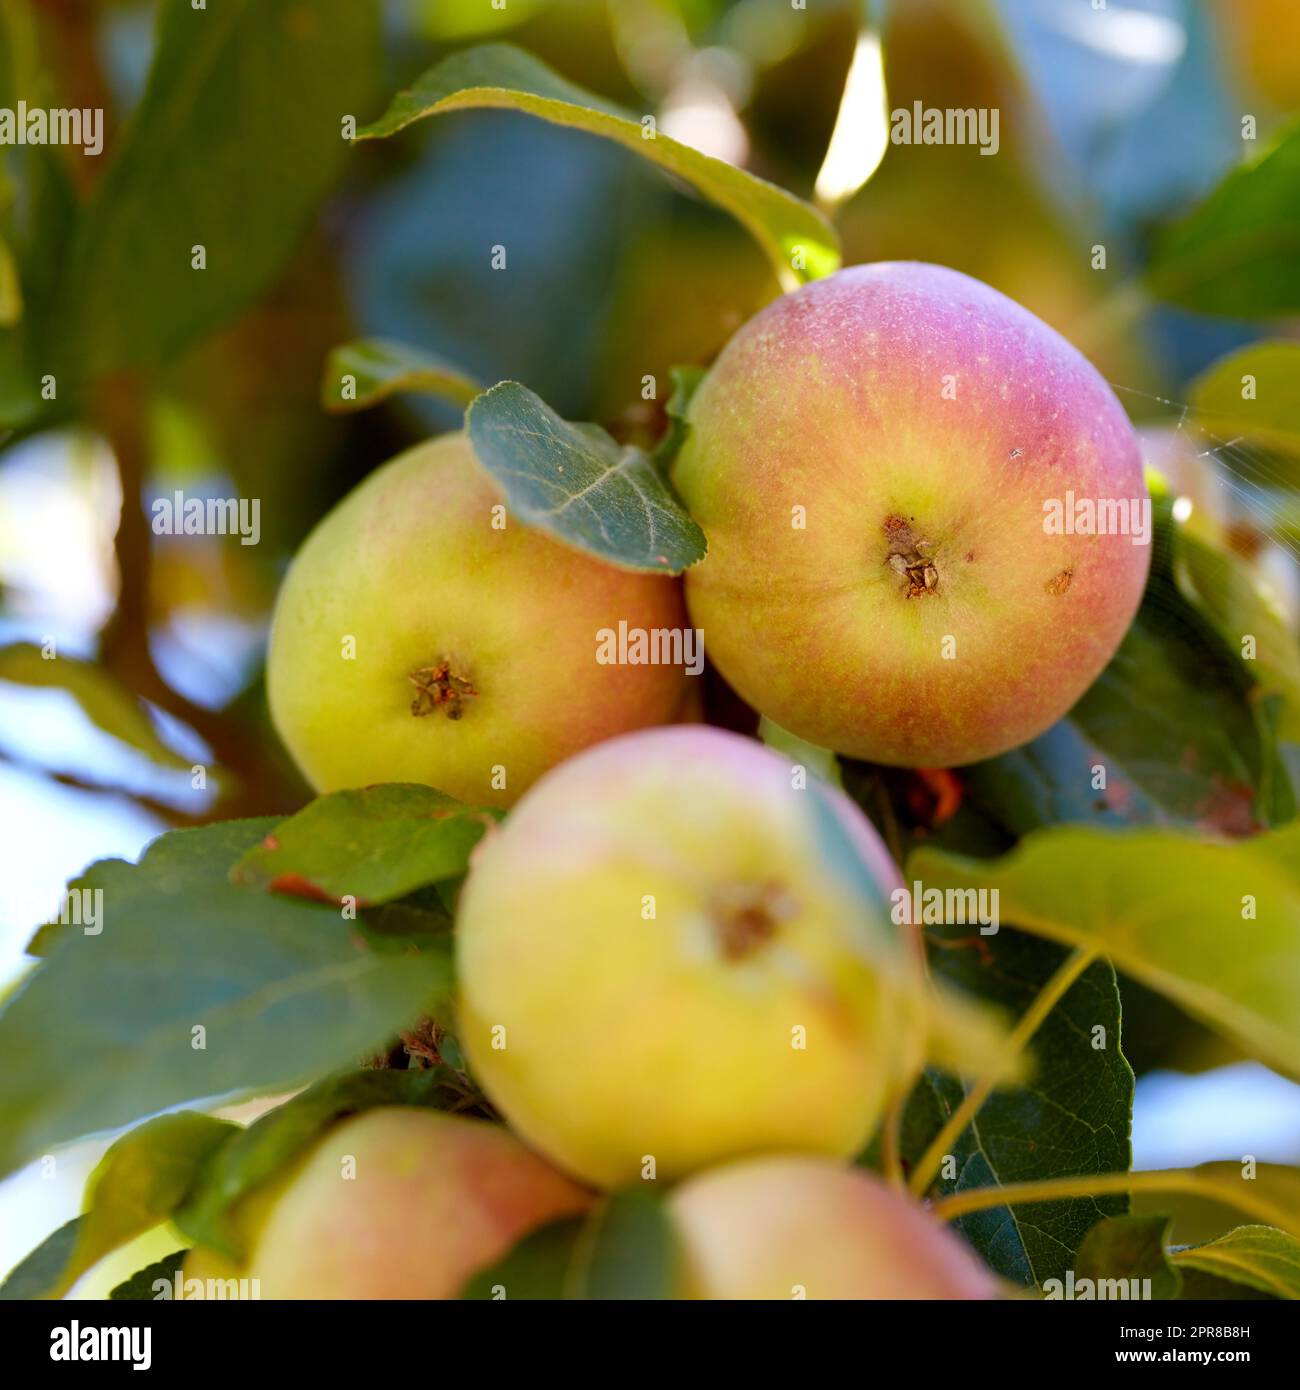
373	844
800	243
138	1183
237	137
253	1156
105	702
1167	908
179	861
1261	1257
580	485
626	1248
1070	1117
1238	252
360	374
1130	1247
139	1288
1270	416
282	990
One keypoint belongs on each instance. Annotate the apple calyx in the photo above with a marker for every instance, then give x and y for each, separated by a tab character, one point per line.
911	558
442	688
746	917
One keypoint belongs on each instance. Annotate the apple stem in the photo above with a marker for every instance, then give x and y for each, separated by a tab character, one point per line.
1030	1021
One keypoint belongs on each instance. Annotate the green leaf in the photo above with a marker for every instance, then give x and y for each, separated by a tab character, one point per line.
1168	909
1261	1257
177	862
1271	416
1238	253
138	1184
139	1288
237	138
626	1248
1231	597
1129	1247
363	373
1070	1118
40	1271
106	703
11	289
193	989
800	243
373	844
255	1155
577	483
686	381
537	1268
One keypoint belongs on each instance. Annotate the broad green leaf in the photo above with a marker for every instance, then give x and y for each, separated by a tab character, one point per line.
1269	414
139	1288
177	862
1260	1257
106	703
370	370
1248	617
626	1248
138	1183
577	483
238	136
373	844
1238	252
253	1156
1129	1247
1070	1117
1270	1193
1214	925
192	992
796	238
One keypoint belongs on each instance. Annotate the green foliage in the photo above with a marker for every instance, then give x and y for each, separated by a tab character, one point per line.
237	138
193	988
378	369
138	1184
797	239
1070	1117
1270	416
577	483
1213	925
1236	253
1130	1247
103	700
625	1249
373	845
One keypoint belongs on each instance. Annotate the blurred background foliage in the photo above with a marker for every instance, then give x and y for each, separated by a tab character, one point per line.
1112	126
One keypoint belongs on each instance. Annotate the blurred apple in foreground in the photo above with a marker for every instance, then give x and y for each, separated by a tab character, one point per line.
432	1200
798	1227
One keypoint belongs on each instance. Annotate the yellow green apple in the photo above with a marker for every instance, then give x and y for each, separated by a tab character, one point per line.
677	951
422	634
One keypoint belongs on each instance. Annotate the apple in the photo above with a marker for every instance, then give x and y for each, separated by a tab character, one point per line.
422	635
673	953
793	1226
393	1203
899	472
